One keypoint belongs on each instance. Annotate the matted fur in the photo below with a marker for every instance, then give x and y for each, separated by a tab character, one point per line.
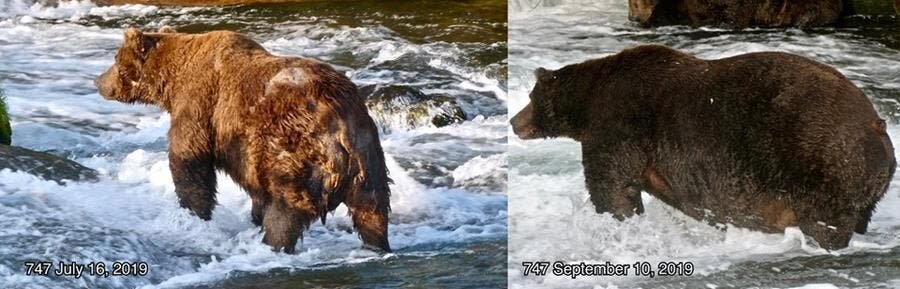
291	131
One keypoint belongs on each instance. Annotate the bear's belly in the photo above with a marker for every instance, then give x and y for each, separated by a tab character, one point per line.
720	196
231	158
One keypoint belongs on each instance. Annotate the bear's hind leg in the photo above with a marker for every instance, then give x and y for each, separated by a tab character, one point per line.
282	225
831	231
371	222
862	225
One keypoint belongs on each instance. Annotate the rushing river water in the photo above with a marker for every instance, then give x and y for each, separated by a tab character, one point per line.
552	219
449	221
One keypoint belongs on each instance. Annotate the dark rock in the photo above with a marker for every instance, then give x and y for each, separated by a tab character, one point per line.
735	14
400	106
44	165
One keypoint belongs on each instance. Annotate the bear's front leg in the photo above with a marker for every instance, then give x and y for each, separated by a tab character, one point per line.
613	180
191	162
370	218
283	225
832	228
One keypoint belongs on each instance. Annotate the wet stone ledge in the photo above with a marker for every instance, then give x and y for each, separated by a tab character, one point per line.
44	165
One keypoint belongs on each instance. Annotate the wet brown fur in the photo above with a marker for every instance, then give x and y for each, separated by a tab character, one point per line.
761	140
291	131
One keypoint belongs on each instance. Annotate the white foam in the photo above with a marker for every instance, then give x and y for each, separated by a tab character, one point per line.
379	47
27	11
480	170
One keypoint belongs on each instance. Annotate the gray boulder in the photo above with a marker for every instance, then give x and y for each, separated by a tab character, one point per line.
44	165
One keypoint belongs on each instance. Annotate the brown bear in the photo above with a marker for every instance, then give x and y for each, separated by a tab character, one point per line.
737	14
291	131
761	140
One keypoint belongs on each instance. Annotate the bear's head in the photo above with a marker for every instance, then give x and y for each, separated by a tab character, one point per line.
122	81
549	113
641	10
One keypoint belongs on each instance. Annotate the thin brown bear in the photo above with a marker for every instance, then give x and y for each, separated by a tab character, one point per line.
291	131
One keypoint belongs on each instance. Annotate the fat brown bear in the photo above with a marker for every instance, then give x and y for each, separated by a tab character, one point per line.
761	140
291	131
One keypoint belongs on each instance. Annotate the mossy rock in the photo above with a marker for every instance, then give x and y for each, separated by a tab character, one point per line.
5	129
401	106
44	165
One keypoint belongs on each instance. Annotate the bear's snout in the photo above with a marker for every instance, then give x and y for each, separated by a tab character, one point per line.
523	124
105	83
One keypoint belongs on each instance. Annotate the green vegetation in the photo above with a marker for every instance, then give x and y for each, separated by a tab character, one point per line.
873	7
5	130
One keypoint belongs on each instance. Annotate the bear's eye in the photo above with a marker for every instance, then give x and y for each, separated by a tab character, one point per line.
126	77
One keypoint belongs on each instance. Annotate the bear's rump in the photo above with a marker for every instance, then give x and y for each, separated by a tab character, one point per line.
775	182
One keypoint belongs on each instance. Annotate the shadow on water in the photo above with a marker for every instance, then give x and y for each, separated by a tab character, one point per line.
856	270
478	28
879	28
461	22
474	265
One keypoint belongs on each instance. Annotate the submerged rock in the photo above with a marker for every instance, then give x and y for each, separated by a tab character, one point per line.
44	165
400	106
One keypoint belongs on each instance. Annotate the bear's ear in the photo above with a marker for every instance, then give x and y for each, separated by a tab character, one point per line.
140	41
167	29
132	35
541	73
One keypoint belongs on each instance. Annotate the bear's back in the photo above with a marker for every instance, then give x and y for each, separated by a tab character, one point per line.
778	81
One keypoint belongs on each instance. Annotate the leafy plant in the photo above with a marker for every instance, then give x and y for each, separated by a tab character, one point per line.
5	129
